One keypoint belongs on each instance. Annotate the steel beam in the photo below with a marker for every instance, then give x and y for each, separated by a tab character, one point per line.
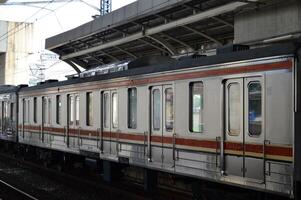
109	55
155	46
203	35
178	41
127	52
164	43
181	22
73	66
223	21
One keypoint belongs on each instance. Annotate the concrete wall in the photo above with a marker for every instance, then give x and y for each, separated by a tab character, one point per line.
3	39
14	64
281	19
2	68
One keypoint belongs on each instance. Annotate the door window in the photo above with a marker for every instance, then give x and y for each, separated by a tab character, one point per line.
115	110
196	107
169	109
234	109
156	109
255	108
106	110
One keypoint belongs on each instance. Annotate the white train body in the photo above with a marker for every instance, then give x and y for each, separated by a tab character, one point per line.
230	122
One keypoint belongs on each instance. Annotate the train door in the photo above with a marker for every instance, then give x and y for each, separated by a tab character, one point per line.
1	116
73	128
244	135
109	122
162	124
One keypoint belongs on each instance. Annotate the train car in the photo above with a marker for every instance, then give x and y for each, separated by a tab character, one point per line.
8	112
229	118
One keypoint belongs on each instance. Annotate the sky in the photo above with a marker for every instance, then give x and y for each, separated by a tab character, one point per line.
51	19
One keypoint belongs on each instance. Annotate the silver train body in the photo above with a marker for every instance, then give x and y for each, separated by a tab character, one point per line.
229	118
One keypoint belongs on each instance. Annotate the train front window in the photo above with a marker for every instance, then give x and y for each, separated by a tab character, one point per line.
156	109
234	106
169	109
196	107
114	110
255	108
132	108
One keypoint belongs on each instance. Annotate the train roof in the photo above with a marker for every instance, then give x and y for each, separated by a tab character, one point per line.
4	89
269	51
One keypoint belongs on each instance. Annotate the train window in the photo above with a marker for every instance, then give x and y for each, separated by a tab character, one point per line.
89	117
1	114
12	108
255	109
156	109
77	110
35	110
132	108
234	106
114	110
44	108
196	107
169	109
5	110
24	110
58	109
49	111
70	109
106	109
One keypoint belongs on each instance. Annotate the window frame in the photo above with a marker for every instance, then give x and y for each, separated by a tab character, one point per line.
191	106
70	110
114	126
105	109
165	109
35	109
58	109
229	132
89	113
248	108
129	92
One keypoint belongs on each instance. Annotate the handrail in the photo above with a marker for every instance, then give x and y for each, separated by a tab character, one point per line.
265	142
79	139
149	147
174	149
217	150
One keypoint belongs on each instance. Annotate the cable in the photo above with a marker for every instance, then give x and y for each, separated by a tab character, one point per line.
35	20
24	21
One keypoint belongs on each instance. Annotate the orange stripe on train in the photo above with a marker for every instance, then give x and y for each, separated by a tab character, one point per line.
272	151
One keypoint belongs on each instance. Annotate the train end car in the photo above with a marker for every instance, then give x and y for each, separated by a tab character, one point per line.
9	112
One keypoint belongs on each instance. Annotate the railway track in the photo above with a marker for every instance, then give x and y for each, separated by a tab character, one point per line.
10	192
119	190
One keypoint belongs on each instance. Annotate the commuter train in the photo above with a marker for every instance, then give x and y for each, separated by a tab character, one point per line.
231	118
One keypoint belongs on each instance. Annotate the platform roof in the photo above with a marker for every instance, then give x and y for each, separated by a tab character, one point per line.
150	27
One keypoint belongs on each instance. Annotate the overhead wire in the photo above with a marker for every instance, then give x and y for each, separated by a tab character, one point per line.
25	21
7	34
